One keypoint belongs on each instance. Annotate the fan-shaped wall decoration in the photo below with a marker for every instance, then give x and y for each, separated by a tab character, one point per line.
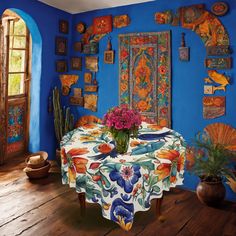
205	24
202	22
222	134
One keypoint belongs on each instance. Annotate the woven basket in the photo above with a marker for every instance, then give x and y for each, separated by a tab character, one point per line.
38	173
43	154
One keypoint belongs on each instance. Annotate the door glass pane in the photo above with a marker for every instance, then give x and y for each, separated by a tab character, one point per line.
17	61
17	42
20	27
15	84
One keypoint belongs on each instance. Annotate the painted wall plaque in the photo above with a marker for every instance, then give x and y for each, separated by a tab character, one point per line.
91	48
61	46
76	63
165	17
184	54
91	63
78	101
102	24
218	50
219	8
208	89
90	88
78	92
61	66
109	57
183	50
213	107
87	77
63	26
90	102
78	46
121	21
218	63
66	82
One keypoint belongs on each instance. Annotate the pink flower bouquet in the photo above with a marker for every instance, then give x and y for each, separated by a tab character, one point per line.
121	117
122	122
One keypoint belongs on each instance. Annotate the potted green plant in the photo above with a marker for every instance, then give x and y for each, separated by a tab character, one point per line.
63	120
211	162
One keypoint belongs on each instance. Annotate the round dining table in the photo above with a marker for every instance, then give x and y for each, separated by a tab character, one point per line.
122	184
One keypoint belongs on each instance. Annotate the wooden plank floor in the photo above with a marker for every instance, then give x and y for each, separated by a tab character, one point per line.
46	207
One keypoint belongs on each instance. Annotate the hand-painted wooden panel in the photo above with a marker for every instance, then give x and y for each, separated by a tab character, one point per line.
144	62
16	128
218	50
213	107
218	63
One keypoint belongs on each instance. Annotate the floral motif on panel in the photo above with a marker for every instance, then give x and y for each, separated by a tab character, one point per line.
144	64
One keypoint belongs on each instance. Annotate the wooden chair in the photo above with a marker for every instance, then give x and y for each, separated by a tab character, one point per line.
88	119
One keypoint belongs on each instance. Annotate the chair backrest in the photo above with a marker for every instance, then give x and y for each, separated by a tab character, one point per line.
88	119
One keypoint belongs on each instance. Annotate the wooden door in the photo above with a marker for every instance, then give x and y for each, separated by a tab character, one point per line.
17	77
3	96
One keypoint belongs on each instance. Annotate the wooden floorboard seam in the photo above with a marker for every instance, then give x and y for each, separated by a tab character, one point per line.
34	208
109	231
24	230
184	225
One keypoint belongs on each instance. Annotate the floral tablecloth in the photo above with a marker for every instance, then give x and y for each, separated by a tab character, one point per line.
122	184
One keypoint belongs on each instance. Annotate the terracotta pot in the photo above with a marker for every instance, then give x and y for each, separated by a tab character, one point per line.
211	193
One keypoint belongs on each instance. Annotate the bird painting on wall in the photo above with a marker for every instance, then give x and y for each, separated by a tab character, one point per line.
215	77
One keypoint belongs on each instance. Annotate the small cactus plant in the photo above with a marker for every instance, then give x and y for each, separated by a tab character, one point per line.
63	119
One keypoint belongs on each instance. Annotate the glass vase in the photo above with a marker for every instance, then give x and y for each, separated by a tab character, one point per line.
121	139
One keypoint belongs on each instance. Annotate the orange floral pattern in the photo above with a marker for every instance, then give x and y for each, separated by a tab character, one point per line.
63	156
78	151
163	171
104	148
80	164
173	156
143	84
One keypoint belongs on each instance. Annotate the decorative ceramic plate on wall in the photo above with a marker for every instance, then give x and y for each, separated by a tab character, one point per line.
219	8
80	27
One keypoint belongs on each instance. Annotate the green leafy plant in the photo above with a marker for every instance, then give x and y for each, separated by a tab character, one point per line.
210	161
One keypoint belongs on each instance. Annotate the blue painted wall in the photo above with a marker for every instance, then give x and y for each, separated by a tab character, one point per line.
187	77
44	77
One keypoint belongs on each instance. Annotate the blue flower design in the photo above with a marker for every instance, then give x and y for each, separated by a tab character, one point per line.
113	192
126	176
122	213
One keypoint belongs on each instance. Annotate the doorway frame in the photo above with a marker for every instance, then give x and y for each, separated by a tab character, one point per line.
35	92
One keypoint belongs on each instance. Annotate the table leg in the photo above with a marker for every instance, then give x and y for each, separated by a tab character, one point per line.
81	197
161	218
